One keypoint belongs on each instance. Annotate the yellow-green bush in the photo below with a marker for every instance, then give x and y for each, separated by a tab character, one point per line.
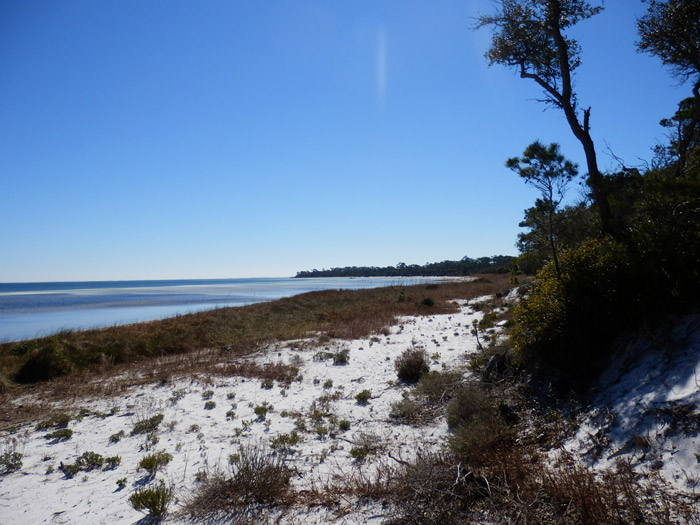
565	324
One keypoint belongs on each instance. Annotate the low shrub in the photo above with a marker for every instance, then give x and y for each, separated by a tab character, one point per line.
10	461
469	404
116	437
152	463
62	434
155	500
207	394
86	462
112	462
341	357
359	453
57	421
261	411
411	365
406	411
285	442
210	405
363	397
438	387
44	362
256	477
427	302
146	426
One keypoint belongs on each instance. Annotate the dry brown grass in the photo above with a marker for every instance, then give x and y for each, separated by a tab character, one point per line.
106	361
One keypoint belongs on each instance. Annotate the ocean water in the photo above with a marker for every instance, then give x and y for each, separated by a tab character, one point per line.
30	310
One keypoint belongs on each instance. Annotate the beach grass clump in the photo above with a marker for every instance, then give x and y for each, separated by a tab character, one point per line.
341	357
438	386
56	421
10	461
152	463
86	462
256	476
148	425
154	500
61	434
116	437
112	462
363	397
261	411
411	365
286	442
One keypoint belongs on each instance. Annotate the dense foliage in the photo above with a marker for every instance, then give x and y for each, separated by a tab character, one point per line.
465	266
601	275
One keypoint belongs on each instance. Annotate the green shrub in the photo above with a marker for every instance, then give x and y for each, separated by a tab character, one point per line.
344	425
428	302
359	453
207	394
62	434
411	365
363	397
565	325
86	462
155	500
210	405
45	362
284	442
117	437
438	387
57	421
152	463
267	384
146	426
470	403
341	357
10	461
112	462
261	411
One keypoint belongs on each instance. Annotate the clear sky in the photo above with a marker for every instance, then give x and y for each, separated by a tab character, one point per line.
144	139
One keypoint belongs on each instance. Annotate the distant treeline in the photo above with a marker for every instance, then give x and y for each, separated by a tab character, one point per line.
465	266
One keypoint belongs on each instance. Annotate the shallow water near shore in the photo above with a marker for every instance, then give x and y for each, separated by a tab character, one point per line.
29	310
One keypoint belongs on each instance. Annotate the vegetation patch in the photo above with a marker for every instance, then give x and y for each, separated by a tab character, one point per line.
411	365
152	463
255	477
146	426
86	462
152	500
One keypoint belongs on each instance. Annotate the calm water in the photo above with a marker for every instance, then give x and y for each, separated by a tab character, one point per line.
30	310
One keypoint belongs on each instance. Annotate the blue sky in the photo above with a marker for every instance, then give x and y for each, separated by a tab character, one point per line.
171	139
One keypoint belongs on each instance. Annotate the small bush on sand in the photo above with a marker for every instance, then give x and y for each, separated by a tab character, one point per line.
152	463
411	365
363	397
341	357
256	476
155	500
470	403
438	387
57	421
146	426
62	434
86	462
10	461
